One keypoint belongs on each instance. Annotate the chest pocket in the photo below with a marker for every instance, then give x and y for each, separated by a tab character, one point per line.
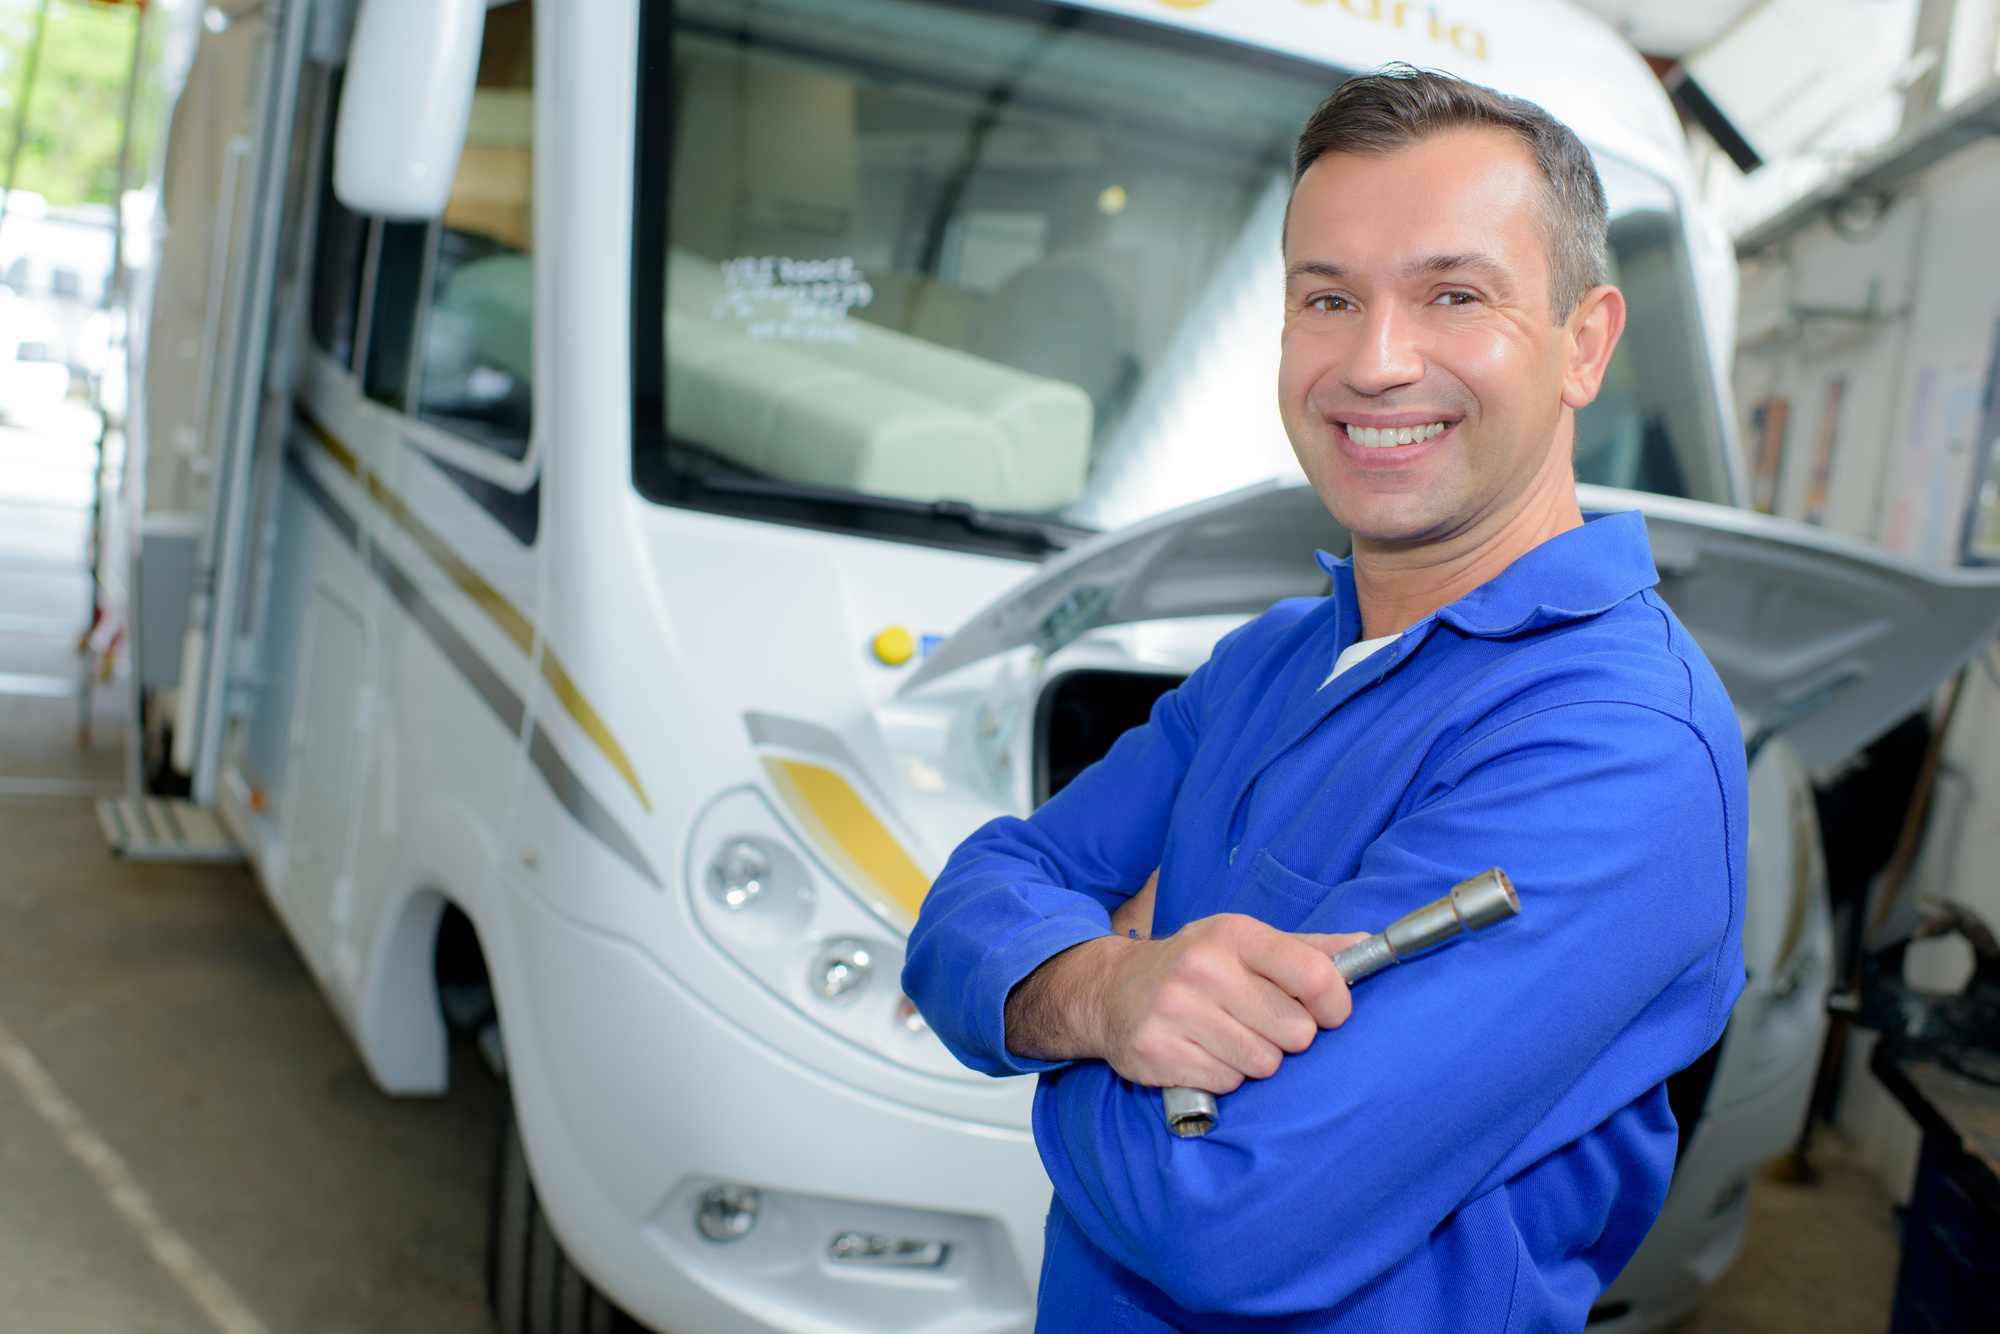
1276	896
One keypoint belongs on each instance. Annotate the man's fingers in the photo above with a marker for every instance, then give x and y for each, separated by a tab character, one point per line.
1304	972
1272	1012
1225	999
1233	1014
1216	1055
1248	1048
1278	988
1195	1069
1333	943
1332	1007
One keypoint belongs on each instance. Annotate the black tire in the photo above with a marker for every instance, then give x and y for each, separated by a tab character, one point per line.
530	1282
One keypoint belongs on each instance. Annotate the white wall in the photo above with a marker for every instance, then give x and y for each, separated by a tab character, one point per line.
1902	307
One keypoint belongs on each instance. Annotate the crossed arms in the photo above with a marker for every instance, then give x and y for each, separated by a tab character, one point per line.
1221	1000
1341	1151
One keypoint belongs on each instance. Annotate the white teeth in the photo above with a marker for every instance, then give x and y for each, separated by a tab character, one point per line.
1386	437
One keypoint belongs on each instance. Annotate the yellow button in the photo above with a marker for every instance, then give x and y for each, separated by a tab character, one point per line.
895	646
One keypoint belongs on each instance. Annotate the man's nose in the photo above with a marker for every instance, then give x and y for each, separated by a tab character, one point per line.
1385	356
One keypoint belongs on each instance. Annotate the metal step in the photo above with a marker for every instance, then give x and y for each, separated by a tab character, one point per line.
164	829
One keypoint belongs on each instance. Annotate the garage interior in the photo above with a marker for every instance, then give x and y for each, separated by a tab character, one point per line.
193	1140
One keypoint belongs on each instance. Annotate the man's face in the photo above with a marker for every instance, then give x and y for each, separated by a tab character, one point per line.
1423	373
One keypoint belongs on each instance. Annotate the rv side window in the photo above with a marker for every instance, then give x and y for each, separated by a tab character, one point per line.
1654	425
343	243
399	268
476	375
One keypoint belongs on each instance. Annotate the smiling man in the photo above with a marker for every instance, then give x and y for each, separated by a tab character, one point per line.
1482	1140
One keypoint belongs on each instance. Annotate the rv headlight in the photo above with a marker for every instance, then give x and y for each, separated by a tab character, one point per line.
841	969
762	897
739	874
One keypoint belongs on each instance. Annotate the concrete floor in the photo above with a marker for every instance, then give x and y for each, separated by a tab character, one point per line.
190	1051
1820	1258
176	1022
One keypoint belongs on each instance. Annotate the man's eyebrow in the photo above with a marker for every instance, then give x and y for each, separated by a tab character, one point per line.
1476	261
1315	268
1473	260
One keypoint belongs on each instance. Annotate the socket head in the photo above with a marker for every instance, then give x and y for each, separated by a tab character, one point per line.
1486	898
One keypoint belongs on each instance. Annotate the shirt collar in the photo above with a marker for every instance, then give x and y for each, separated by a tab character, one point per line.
1576	574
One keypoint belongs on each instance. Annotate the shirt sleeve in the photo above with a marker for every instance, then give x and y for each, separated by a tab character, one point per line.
1456	1071
1019	892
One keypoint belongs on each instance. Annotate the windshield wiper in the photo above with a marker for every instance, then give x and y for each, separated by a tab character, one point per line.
1027	530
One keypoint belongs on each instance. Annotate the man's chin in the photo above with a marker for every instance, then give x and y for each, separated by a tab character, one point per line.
1389	520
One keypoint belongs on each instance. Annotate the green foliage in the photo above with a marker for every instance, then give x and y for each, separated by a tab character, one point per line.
69	144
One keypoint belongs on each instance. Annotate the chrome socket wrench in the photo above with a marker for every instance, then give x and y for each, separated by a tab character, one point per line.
1472	905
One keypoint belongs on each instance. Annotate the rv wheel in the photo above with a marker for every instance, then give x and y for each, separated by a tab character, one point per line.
530	1283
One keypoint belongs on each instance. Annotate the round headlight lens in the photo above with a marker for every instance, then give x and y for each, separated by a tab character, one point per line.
841	969
739	875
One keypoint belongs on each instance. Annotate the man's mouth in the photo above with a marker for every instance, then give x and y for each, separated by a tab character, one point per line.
1388	437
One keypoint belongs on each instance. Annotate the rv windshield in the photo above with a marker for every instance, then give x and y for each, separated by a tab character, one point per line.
991	278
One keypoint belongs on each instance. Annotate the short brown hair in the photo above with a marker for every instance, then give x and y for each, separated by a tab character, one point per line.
1400	105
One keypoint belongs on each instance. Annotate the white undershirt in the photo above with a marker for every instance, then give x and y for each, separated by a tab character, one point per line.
1353	654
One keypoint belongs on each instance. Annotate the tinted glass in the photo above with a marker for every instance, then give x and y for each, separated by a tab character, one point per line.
911	268
477	377
398	282
1654	424
342	244
925	254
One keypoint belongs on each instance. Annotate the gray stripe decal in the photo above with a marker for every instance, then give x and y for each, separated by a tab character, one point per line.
349	530
484	679
768	729
577	799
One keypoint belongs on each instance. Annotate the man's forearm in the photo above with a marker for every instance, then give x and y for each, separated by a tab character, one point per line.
1056	1013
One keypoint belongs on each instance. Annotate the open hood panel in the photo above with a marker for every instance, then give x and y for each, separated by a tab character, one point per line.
1234	555
1822	638
1825	639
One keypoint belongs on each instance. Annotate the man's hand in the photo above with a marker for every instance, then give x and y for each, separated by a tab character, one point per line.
1221	1000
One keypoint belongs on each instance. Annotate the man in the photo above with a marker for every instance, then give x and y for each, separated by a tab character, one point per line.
1483	1137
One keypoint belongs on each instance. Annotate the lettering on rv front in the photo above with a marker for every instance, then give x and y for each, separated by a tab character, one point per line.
793	300
1460	37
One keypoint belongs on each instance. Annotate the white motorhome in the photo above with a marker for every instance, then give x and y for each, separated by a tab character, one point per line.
670	471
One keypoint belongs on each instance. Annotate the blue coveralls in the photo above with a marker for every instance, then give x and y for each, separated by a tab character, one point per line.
1486	1140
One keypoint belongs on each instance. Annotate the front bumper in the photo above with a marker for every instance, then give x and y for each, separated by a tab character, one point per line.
635	1097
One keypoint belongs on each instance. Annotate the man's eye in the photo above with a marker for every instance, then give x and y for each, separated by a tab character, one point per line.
1328	303
1455	299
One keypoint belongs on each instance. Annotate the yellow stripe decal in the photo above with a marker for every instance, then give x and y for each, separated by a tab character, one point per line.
341	453
841	823
487	598
586	718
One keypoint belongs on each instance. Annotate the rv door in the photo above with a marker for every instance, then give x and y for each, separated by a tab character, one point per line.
211	323
1818	637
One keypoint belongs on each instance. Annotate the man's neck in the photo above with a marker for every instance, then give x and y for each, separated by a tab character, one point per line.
1398	584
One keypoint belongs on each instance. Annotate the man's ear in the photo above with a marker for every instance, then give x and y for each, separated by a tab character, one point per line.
1590	334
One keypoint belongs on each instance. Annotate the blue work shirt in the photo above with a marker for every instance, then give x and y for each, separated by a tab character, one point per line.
1486	1141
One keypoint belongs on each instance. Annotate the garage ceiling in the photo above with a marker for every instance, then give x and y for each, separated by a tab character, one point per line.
1673	27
